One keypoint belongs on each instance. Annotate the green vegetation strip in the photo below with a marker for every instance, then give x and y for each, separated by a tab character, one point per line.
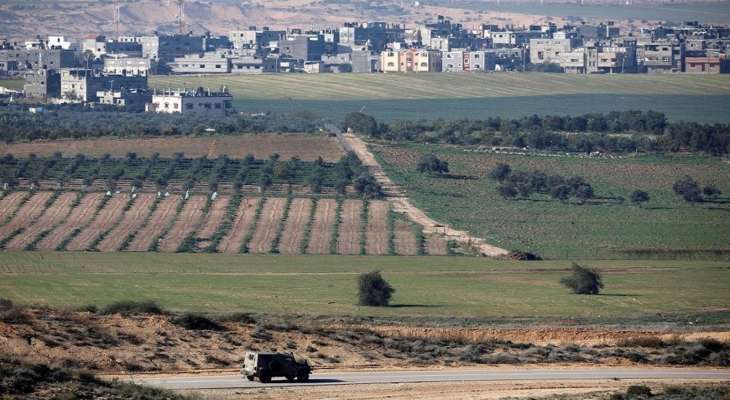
430	287
307	234
42	235
155	245
364	217
282	224
62	246
336	228
252	229
93	245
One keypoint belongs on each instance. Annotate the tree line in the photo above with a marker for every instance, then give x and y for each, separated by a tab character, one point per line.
619	131
59	124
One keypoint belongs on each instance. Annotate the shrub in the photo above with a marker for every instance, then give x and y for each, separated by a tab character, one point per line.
14	315
639	196
583	280
638	391
429	163
500	172
5	304
129	307
641	341
197	322
373	290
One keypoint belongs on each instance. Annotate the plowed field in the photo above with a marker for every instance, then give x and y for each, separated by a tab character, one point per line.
377	230
31	210
299	214
267	225
349	239
131	222
162	216
231	243
324	219
186	222
79	217
52	216
105	220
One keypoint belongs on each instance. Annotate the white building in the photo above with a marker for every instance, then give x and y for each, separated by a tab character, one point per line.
190	101
123	65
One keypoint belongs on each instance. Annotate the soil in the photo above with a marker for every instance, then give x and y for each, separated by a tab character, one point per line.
436	246
112	212
9	204
52	216
377	229
324	218
405	239
401	203
159	219
131	222
31	210
231	243
213	220
349	240
79	217
268	225
299	214
189	218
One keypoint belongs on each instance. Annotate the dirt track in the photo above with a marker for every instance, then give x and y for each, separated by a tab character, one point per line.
162	216
187	221
267	225
295	224
402	204
377	229
131	222
52	216
231	243
349	240
324	217
79	217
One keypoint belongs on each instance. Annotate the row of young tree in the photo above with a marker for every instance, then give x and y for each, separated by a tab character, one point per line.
374	291
620	131
247	171
23	126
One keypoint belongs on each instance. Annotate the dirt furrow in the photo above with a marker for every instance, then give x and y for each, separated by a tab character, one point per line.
241	224
436	246
158	221
267	225
405	239
188	220
52	216
377	229
299	213
131	222
9	203
109	215
324	219
349	240
79	217
214	218
31	210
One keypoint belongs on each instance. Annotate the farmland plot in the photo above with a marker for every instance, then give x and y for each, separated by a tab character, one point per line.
79	217
241	224
405	239
213	220
105	220
377	229
299	214
162	216
188	220
324	219
436	246
349	240
267	226
31	210
131	222
52	216
9	203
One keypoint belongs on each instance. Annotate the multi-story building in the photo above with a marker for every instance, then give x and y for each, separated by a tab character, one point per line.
42	83
129	99
545	51
211	62
411	60
660	57
306	47
467	61
190	101
123	65
15	60
707	65
253	64
83	84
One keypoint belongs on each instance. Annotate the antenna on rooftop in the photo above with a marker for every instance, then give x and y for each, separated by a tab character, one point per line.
117	17
181	15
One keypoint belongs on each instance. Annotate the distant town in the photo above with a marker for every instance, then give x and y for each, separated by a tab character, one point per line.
114	71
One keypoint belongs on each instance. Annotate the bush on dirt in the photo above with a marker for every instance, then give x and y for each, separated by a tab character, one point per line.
583	280
129	307
431	164
373	290
197	322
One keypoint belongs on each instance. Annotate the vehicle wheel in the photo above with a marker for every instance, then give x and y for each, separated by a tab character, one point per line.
250	377
264	378
290	378
303	377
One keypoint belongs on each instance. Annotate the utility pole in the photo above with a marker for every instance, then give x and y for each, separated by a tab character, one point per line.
117	18
181	15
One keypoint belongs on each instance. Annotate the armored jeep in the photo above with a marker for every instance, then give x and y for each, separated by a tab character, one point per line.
269	365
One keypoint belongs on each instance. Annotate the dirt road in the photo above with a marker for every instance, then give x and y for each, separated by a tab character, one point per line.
400	202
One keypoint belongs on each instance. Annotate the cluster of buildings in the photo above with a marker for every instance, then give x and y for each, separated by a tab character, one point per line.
115	70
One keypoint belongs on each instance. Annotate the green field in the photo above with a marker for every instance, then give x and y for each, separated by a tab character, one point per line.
601	229
438	287
429	96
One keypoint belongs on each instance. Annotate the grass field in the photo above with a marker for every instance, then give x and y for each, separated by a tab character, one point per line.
325	285
602	229
428	96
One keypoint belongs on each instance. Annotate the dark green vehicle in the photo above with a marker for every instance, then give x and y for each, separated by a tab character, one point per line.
271	365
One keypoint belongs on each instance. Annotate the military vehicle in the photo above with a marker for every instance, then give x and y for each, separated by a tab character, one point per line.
269	365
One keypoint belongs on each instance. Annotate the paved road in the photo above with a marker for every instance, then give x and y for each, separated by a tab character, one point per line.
229	381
